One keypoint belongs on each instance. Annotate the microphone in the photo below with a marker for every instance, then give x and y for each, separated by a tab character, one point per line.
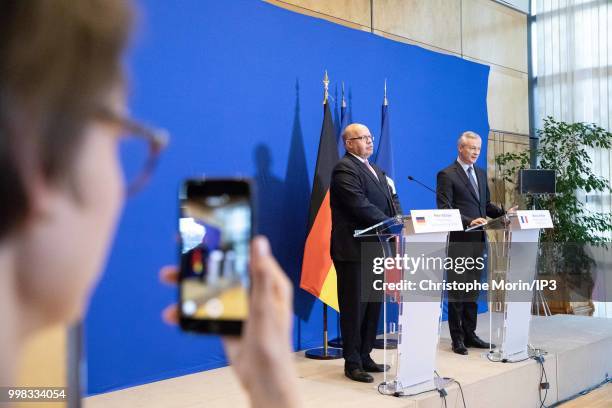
410	178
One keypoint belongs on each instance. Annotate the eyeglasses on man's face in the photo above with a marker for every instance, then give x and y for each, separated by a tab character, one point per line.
365	138
139	149
472	148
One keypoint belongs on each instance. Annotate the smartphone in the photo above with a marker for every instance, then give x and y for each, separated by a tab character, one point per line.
215	228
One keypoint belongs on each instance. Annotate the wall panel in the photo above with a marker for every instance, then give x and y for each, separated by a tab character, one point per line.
495	34
432	22
507	100
354	11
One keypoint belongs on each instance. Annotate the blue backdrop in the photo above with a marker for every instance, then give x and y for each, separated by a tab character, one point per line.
238	85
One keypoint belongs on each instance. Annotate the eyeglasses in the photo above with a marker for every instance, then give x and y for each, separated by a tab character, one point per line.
140	149
364	138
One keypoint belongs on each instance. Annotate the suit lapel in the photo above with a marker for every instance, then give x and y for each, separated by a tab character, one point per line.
364	169
381	176
384	185
466	181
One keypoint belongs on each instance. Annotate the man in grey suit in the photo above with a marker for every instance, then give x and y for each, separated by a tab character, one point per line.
463	186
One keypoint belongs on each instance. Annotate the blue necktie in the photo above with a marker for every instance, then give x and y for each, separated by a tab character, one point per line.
473	181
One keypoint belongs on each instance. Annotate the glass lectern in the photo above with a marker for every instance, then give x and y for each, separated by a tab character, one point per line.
411	240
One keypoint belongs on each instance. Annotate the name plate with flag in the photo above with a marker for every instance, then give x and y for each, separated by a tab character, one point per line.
425	221
534	219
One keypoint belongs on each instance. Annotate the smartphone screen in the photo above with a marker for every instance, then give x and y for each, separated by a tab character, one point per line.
215	226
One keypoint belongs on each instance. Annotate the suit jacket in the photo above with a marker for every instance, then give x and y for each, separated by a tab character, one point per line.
357	201
454	190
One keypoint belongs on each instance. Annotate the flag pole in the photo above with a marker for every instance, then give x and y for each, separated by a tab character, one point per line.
325	352
385	101
325	88
337	341
385	342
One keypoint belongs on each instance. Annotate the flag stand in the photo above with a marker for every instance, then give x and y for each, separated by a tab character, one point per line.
319	201
325	352
337	342
384	160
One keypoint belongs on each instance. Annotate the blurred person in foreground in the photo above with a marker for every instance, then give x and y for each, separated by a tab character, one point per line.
62	117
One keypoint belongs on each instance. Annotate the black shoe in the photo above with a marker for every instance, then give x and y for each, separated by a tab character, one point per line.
459	347
477	342
357	374
371	367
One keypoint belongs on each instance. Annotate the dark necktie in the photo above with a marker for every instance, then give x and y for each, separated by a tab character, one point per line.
473	181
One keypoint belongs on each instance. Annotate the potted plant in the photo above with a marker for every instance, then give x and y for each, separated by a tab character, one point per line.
564	255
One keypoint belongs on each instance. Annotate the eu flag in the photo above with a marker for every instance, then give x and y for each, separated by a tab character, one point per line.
344	122
384	154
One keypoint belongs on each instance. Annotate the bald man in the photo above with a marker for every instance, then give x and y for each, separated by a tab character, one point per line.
360	197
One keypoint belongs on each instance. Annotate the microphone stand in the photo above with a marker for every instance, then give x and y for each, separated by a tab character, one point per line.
450	206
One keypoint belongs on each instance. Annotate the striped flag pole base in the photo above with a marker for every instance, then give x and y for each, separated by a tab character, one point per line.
325	352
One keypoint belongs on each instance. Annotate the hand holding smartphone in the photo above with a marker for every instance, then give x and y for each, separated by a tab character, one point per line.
215	229
216	217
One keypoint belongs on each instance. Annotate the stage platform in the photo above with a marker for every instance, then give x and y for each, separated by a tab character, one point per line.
579	356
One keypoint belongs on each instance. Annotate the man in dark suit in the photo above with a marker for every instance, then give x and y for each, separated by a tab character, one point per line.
463	186
360	196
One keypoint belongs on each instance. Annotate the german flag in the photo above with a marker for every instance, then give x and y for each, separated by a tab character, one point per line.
318	272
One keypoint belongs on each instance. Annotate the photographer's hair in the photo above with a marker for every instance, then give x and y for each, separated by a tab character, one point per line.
58	60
